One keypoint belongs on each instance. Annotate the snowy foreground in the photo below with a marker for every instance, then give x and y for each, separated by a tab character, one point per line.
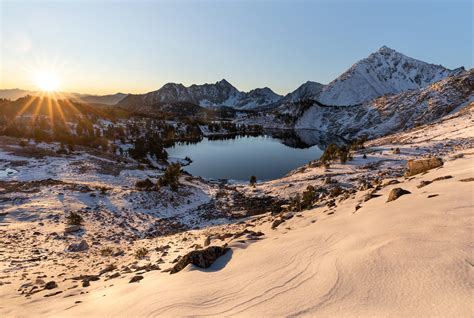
357	256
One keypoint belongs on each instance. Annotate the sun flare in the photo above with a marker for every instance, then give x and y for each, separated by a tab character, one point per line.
46	81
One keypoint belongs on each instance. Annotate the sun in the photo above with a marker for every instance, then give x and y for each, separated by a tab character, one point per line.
46	81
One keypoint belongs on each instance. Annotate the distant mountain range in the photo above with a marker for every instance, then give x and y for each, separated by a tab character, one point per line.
383	72
112	99
221	93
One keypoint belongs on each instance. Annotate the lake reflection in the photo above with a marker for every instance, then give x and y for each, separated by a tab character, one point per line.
270	156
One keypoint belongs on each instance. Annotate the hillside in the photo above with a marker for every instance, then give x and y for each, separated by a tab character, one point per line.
353	252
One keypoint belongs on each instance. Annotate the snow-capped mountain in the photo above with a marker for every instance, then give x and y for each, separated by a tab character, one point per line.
258	97
388	114
379	116
309	90
221	93
383	72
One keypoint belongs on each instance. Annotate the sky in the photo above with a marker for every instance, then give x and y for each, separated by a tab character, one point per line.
103	47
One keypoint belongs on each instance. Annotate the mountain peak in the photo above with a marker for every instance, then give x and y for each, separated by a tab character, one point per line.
172	85
224	82
385	71
386	49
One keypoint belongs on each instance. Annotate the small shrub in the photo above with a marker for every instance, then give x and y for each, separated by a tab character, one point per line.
343	154
396	151
74	219
253	181
330	153
146	184
308	197
333	152
142	252
106	251
22	143
171	177
359	143
103	190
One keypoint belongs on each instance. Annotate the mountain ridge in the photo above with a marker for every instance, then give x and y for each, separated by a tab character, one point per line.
382	72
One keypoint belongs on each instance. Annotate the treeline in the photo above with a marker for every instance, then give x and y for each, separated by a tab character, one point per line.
102	127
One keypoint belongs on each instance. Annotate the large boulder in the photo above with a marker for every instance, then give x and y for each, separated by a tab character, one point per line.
396	193
201	258
418	166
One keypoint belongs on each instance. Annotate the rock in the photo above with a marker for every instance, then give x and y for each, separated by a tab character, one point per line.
72	229
53	294
467	180
396	151
50	285
107	269
78	247
86	279
418	166
114	275
457	156
249	233
442	178
396	193
207	241
423	183
370	196
201	258
391	182
277	222
432	196
136	278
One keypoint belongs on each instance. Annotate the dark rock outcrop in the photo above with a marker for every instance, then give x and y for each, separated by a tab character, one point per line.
136	278
201	258
396	193
50	285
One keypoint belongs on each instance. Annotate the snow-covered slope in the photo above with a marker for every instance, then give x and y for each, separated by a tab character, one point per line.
221	93
383	72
